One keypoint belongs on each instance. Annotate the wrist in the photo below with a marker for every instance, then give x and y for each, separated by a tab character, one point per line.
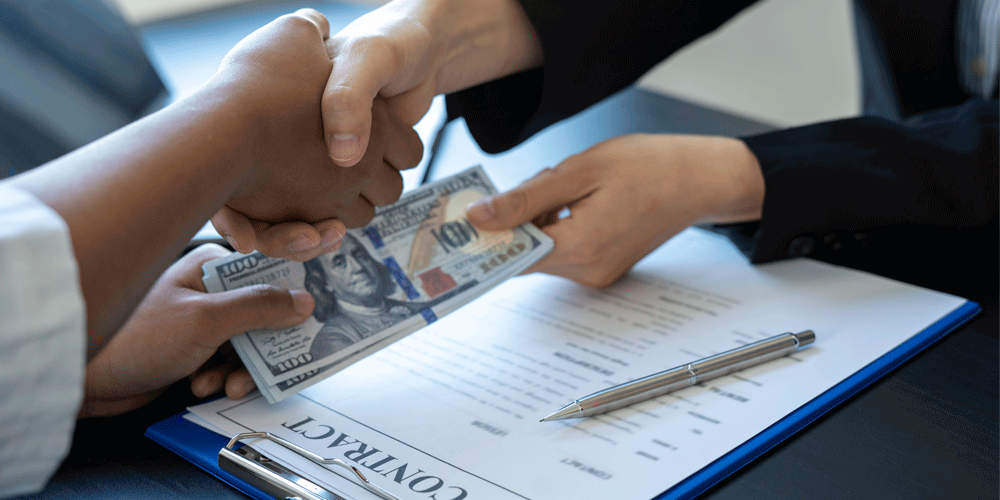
738	192
240	113
482	41
96	385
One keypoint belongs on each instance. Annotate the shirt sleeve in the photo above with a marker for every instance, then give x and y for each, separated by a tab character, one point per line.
591	51
42	342
916	200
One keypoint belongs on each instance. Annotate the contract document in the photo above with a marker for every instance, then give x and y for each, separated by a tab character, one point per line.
452	412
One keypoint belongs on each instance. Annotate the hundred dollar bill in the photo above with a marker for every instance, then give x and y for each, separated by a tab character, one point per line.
416	261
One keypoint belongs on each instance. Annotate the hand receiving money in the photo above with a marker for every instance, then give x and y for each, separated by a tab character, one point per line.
418	260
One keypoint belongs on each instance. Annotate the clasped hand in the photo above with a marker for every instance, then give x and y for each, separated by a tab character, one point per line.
295	201
398	58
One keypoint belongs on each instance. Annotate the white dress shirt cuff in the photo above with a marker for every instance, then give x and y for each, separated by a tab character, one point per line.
42	342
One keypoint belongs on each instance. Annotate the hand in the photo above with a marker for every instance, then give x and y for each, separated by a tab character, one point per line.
298	241
280	72
176	329
408	51
627	196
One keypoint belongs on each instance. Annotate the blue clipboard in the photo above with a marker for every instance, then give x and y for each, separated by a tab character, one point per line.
245	468
201	446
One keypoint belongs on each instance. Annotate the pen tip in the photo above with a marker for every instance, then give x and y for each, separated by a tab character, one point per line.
542	420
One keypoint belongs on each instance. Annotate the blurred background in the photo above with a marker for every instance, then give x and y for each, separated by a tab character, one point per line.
783	62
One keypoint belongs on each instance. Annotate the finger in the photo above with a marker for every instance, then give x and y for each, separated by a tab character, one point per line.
359	213
316	18
549	191
383	186
208	382
332	232
252	308
412	105
211	379
404	147
239	384
357	77
346	124
574	256
556	261
187	270
288	240
383	183
587	248
285	238
236	229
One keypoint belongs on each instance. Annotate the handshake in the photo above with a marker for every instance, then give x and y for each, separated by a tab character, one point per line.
293	200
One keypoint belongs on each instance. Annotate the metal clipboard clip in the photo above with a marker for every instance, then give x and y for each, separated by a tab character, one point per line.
249	465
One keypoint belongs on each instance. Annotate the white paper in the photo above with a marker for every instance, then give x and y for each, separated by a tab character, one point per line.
452	412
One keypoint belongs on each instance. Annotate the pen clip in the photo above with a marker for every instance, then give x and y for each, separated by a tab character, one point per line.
311	456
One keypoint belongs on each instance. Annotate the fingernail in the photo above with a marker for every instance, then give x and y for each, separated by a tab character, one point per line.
232	243
302	302
301	243
330	238
481	211
344	147
206	385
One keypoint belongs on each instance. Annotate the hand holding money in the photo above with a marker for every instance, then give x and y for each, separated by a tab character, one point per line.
418	260
140	361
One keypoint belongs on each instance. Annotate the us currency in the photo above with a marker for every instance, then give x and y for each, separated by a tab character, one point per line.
416	261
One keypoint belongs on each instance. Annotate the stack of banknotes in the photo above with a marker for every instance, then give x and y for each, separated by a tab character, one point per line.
416	261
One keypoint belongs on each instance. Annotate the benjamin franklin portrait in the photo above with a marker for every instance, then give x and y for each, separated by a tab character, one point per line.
352	291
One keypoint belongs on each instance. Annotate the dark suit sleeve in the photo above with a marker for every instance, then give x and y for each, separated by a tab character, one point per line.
591	50
916	200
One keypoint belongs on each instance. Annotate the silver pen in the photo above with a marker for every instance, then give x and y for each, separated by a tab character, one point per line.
675	379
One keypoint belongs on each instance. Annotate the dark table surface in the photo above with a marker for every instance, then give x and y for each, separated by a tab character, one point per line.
926	430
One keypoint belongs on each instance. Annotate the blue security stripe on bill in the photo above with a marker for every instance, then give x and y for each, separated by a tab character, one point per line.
375	238
428	315
400	277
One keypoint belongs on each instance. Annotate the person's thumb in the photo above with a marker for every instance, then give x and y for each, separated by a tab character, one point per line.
347	123
549	190
256	307
359	74
236	228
